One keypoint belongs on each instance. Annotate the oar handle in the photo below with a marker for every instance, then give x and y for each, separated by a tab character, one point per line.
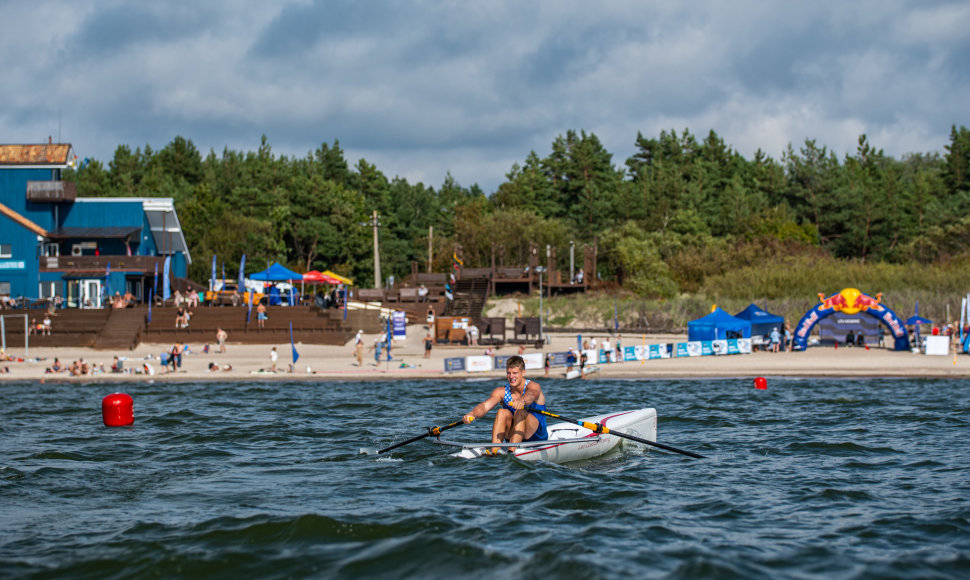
432	432
601	428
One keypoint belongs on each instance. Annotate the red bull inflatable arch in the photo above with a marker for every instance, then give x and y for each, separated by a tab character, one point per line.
851	301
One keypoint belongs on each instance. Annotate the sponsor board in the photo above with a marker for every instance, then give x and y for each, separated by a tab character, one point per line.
454	365
478	364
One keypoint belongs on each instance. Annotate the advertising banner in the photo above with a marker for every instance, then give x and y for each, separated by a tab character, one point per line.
454	365
478	364
533	360
399	324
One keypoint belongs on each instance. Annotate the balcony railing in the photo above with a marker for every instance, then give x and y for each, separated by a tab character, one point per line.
51	191
92	264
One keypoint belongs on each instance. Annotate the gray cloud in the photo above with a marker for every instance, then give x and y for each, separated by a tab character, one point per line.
420	88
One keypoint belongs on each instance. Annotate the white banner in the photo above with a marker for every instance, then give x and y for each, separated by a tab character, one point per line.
478	364
534	360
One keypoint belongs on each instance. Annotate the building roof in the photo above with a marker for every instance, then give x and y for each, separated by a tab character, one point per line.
45	154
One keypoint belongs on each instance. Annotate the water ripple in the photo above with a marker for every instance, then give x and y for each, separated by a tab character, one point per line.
812	478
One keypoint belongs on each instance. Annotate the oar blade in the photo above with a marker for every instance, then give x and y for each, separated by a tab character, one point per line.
432	431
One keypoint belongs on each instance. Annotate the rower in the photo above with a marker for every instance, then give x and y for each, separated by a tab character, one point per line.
514	422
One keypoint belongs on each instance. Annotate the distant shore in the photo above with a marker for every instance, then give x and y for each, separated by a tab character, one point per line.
252	362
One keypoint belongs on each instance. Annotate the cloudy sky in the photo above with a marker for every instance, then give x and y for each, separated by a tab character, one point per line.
420	88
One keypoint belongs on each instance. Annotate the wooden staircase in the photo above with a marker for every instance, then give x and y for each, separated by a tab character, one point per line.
470	297
311	325
71	327
122	330
125	329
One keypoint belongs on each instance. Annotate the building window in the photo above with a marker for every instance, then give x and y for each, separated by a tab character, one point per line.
6	250
49	289
5	289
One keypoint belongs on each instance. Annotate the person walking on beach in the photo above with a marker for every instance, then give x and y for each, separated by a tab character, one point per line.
359	347
221	336
273	358
428	344
582	364
514	422
377	347
547	364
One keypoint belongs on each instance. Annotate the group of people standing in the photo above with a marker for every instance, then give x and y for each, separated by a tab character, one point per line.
775	339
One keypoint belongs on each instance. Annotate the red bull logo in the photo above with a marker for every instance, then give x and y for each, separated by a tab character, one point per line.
865	302
835	301
850	301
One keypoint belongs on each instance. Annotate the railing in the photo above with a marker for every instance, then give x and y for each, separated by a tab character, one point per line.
51	191
100	263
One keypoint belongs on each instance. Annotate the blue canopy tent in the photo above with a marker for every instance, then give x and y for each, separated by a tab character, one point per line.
716	326
277	273
761	321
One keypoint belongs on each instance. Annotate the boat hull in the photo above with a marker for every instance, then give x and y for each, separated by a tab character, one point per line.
640	423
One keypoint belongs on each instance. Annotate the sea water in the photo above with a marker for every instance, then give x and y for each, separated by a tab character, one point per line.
811	478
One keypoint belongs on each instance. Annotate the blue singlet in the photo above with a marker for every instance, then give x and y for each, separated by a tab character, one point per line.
540	434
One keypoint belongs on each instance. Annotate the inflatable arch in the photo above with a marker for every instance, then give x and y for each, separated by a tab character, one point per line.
850	301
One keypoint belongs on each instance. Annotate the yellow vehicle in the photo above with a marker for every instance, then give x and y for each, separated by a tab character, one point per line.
228	296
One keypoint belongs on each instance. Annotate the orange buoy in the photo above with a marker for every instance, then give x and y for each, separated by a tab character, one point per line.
760	383
118	410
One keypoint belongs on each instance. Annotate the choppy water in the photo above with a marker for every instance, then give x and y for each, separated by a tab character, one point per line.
811	478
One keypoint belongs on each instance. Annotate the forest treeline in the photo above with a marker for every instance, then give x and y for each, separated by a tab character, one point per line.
679	214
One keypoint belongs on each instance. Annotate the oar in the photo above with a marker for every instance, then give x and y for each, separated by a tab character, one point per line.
600	428
432	432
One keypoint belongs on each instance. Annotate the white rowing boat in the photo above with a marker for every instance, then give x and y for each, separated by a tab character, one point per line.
570	442
575	373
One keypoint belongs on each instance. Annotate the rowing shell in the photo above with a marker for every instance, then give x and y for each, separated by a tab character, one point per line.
576	373
570	442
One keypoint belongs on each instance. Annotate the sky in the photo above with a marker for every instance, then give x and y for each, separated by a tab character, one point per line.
424	88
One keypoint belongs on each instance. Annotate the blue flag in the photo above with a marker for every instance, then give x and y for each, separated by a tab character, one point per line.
107	283
155	287
166	272
250	311
296	355
212	278
242	273
223	274
151	295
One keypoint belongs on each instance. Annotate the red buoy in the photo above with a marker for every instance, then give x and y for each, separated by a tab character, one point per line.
118	410
761	383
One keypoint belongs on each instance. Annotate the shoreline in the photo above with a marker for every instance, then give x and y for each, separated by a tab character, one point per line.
336	363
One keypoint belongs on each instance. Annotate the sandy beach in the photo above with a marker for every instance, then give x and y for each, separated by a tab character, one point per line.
252	362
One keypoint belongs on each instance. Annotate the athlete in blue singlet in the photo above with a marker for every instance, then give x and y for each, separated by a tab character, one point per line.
513	421
540	434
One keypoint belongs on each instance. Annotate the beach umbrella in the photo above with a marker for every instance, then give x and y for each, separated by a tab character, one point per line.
342	279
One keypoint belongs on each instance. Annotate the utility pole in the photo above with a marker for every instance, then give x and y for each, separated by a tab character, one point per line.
541	337
572	260
430	255
377	255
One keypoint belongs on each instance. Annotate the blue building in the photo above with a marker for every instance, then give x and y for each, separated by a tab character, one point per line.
54	244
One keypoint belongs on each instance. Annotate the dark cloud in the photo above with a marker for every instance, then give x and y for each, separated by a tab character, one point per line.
424	87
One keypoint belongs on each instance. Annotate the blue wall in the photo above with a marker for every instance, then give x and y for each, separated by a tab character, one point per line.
22	270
